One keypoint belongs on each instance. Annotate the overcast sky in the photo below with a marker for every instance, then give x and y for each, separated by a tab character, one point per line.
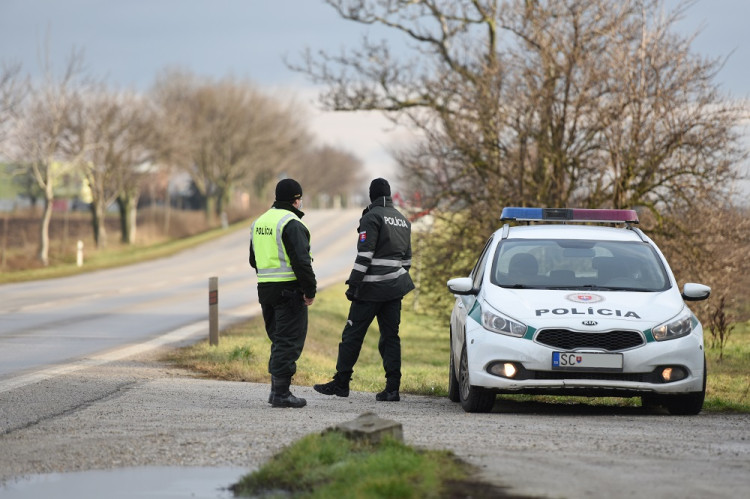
127	42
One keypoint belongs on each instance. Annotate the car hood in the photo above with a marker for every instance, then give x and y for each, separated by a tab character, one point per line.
577	309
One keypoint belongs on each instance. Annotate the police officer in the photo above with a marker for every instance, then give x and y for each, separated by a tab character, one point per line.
280	254
377	283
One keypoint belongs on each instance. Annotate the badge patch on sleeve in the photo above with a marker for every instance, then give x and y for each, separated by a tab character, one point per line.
362	237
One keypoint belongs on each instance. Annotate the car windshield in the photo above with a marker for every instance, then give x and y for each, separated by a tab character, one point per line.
578	264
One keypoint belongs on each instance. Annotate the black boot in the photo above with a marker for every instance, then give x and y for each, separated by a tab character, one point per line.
390	394
282	397
339	387
386	396
270	395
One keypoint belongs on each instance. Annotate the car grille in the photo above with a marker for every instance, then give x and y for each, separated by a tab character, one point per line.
611	341
629	377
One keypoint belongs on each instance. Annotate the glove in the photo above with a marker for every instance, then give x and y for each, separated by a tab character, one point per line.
352	292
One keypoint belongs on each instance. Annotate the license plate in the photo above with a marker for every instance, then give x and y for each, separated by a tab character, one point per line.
587	361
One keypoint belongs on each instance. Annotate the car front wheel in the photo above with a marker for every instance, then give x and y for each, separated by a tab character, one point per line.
453	387
473	398
688	404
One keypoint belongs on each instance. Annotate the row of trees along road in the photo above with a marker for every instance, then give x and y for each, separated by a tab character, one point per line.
556	103
226	134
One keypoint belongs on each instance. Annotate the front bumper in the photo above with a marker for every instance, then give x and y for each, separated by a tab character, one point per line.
638	376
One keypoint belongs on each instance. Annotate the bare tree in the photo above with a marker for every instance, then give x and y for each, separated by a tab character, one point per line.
135	161
226	133
710	245
596	103
327	172
110	131
41	138
13	88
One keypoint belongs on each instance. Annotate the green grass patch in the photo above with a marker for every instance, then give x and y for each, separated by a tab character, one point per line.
322	466
243	351
728	385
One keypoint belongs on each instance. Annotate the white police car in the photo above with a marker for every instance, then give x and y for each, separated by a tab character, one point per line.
567	308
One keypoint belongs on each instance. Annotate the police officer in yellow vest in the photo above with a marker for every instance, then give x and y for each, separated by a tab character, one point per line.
280	254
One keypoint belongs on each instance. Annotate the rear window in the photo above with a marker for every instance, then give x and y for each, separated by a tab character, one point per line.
578	264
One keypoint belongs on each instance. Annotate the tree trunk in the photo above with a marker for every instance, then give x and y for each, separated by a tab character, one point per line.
210	209
221	204
128	208
98	224
123	211
43	253
167	213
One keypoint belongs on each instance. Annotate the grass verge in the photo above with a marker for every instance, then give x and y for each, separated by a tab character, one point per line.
728	385
322	466
243	351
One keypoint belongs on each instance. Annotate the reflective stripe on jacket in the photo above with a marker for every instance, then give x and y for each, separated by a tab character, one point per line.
270	254
381	268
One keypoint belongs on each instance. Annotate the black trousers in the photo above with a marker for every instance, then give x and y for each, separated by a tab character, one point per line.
285	319
361	315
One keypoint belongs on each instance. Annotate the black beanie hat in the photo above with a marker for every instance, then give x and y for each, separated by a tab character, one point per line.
379	187
288	190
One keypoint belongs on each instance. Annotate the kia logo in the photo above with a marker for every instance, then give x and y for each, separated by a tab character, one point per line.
590	323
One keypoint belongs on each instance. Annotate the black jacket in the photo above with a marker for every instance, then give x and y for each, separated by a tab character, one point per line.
296	239
381	269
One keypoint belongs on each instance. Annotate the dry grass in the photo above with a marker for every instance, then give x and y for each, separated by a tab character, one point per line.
728	385
157	228
243	351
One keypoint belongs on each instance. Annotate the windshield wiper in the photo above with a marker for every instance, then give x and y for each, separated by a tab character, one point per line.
640	290
522	286
595	287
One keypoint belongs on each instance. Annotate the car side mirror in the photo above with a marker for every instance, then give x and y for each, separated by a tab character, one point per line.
461	286
695	292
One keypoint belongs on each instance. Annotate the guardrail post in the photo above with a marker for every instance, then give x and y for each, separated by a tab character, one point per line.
213	311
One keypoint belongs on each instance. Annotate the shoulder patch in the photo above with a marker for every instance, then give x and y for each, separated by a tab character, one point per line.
363	236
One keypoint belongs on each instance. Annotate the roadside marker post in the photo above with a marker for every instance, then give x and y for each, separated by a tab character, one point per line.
79	253
213	311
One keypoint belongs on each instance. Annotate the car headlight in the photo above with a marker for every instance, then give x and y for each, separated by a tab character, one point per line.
677	327
498	323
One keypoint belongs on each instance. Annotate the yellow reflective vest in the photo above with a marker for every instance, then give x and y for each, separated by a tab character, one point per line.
271	257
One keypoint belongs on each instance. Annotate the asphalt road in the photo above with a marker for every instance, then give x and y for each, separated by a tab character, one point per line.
53	324
115	407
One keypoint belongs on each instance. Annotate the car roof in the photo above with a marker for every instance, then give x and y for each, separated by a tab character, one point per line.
572	231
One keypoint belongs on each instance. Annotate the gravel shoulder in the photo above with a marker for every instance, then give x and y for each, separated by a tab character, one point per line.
143	413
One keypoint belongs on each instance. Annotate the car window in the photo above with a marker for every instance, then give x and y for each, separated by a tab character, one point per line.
578	264
478	272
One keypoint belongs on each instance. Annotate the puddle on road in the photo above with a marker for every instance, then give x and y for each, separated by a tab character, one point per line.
147	482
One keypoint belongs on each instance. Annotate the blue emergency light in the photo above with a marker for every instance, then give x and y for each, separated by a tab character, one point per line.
568	215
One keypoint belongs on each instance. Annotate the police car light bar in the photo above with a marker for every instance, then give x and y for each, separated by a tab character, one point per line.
568	215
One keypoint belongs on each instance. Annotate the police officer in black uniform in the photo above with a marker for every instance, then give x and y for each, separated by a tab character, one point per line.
378	282
280	253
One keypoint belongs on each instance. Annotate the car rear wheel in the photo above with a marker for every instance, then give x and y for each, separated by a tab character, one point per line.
453	388
688	404
473	398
